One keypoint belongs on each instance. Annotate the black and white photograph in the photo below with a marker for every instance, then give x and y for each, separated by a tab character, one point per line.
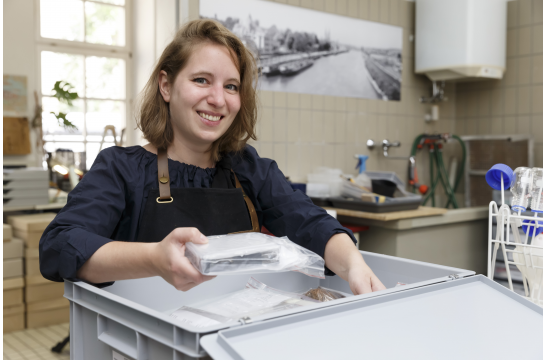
312	52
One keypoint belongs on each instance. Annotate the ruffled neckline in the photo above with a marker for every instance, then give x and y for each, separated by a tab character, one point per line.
185	172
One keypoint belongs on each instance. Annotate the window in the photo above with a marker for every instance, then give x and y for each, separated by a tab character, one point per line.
85	44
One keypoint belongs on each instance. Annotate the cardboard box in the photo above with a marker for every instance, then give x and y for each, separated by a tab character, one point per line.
14	283
32	267
32	253
7	232
48	313
31	239
32	262
13	297
14	249
45	291
31	223
13	267
13	291
14	318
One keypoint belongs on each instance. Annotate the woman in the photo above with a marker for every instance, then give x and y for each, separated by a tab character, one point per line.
135	209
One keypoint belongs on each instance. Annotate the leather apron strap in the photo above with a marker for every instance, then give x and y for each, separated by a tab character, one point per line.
250	205
163	177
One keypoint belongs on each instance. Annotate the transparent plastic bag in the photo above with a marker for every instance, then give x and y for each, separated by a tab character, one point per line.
323	294
253	253
256	299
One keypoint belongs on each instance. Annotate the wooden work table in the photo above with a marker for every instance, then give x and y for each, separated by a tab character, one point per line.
455	237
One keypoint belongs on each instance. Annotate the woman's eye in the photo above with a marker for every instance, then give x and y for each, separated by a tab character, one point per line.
232	87
200	80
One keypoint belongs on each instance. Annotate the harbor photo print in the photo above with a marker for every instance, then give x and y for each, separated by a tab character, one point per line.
306	51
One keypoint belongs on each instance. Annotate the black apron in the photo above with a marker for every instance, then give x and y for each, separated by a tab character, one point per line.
222	209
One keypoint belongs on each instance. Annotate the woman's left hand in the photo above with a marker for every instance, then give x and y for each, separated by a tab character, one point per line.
362	280
344	259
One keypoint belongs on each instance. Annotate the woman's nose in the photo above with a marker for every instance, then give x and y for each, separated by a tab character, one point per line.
216	97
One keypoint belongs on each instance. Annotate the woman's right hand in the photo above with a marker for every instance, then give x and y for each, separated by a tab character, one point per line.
171	263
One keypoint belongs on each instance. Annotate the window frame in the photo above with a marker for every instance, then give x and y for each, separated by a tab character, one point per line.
88	49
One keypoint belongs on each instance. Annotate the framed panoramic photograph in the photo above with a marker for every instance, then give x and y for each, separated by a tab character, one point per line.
306	51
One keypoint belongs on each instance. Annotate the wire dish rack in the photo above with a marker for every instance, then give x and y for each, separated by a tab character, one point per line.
526	251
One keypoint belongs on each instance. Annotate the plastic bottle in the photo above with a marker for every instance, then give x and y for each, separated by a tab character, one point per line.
537	190
520	187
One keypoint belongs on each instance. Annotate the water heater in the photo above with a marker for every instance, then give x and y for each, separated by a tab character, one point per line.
460	39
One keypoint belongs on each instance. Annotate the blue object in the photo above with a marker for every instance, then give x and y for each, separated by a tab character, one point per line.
493	176
107	205
361	163
531	224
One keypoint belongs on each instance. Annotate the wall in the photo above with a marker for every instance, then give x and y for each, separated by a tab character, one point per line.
513	105
302	132
20	58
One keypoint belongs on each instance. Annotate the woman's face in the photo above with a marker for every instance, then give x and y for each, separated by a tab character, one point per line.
204	98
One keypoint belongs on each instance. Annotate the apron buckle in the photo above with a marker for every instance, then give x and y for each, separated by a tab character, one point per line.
159	201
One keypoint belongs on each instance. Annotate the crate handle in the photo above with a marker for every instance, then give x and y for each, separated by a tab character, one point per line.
117	336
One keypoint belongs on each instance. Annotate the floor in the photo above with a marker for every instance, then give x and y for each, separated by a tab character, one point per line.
36	344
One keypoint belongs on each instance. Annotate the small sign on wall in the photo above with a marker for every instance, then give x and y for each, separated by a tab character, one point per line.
15	94
16	136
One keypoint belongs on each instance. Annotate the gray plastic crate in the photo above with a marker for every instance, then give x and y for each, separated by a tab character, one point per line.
132	316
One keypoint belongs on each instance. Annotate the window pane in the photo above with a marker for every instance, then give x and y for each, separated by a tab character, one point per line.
50	124
65	67
74	146
102	113
115	2
62	19
92	152
104	24
105	77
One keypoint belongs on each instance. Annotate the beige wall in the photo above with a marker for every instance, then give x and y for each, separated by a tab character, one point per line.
302	131
20	58
513	105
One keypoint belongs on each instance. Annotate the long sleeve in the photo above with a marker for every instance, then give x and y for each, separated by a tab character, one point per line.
88	220
282	210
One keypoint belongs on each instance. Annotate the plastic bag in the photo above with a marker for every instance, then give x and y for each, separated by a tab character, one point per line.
253	253
256	299
323	294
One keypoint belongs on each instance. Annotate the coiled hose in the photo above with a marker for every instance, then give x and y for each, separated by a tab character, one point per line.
438	173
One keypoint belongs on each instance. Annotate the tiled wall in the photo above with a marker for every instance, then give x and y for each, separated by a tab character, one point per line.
302	131
513	105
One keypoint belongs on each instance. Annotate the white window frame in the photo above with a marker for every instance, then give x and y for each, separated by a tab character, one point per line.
87	49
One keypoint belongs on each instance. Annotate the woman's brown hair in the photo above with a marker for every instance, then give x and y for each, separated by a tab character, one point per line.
154	119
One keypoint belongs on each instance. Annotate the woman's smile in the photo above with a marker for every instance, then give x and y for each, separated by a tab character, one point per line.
209	118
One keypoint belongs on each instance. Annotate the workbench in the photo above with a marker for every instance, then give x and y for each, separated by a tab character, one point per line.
456	238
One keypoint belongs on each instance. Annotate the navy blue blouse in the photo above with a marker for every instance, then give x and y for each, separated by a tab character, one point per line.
108	202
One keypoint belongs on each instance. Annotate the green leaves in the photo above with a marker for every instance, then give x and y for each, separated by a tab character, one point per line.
63	121
62	91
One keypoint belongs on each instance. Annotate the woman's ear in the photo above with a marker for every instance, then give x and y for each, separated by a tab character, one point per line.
164	86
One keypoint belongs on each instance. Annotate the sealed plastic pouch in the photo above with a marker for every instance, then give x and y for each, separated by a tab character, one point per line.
252	253
256	299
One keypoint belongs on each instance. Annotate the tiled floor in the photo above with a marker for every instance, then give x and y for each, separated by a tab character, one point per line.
36	344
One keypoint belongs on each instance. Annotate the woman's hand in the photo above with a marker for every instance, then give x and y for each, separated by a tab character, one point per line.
344	259
171	263
362	280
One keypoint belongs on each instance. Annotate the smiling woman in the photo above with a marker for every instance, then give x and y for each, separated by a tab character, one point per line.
134	211
205	61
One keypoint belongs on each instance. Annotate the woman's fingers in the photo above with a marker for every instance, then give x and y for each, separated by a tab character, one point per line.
183	235
376	284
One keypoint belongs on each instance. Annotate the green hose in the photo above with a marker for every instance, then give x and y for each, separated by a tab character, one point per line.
440	174
444	180
462	165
